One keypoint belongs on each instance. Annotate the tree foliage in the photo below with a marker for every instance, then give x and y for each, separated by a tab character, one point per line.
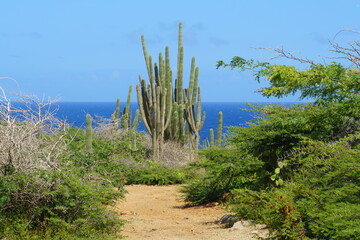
325	83
307	186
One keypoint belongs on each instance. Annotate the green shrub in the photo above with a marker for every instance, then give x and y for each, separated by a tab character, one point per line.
49	204
278	129
320	200
112	156
224	170
157	174
310	151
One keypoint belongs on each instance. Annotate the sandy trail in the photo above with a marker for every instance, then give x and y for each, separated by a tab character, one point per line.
157	212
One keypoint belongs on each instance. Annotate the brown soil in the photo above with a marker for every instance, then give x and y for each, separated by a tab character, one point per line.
157	212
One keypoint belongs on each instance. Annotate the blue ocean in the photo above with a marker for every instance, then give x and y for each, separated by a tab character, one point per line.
233	114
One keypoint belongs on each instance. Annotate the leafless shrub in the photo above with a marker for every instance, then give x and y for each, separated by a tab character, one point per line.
106	129
175	155
350	51
282	53
30	136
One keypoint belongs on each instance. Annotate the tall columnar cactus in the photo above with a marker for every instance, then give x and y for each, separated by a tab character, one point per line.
126	114
161	105
176	130
212	138
115	115
152	99
152	102
88	143
219	130
180	68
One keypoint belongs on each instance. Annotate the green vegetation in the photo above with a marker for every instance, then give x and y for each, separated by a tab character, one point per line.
43	194
47	204
57	181
294	168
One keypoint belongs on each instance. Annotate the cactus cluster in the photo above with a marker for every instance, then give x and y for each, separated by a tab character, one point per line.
123	120
119	120
168	112
154	102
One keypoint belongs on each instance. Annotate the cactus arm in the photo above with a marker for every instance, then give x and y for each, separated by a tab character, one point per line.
195	89
156	71
142	111
146	103
192	76
169	112
198	110
115	115
146	55
162	70
127	110
180	66
128	100
179	79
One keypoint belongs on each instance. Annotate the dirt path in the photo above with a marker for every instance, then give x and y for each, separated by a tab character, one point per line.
157	212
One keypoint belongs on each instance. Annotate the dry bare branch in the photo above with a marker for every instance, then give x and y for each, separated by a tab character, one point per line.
31	136
285	54
350	52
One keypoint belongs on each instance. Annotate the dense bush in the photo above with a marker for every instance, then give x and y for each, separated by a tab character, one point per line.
42	194
307	185
223	170
47	204
295	169
156	174
279	129
320	200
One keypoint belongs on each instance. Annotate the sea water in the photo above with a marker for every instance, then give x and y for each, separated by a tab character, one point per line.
234	114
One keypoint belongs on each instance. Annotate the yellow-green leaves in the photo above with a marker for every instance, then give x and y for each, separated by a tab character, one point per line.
323	83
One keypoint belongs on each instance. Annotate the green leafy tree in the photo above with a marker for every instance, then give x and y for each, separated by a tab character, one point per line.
324	83
310	152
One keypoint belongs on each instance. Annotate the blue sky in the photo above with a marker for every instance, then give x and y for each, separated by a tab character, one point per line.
90	50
